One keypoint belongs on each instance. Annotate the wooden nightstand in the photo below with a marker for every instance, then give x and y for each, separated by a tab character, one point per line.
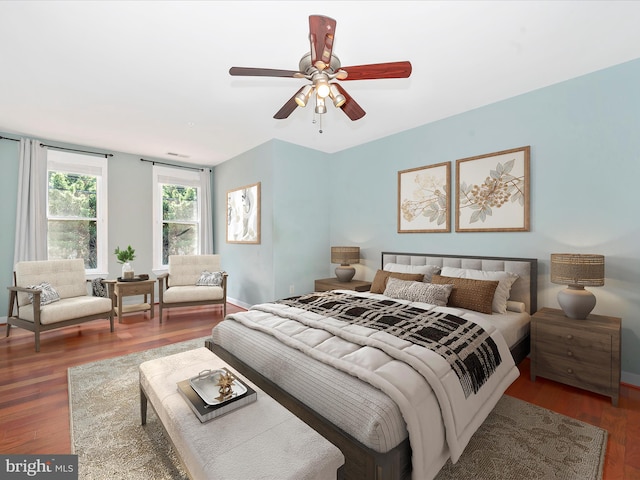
580	353
334	284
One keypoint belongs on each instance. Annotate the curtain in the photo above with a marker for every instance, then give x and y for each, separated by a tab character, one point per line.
206	231
31	215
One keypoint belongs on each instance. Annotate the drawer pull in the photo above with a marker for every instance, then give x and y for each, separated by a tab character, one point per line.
570	370
569	353
569	337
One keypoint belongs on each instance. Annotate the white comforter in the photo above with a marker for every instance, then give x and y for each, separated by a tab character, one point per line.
404	371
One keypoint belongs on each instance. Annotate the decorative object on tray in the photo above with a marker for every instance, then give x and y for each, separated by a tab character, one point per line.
213	393
493	192
577	271
423	199
125	257
345	256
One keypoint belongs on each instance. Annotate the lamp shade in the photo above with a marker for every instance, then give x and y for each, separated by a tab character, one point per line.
345	255
577	269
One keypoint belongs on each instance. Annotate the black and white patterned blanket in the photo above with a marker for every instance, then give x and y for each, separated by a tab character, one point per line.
469	350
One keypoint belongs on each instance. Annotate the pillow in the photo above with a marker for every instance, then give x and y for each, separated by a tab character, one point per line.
503	291
468	293
426	270
418	291
209	279
48	295
380	280
518	307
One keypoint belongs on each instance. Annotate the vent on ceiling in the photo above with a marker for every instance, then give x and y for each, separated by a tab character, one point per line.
180	155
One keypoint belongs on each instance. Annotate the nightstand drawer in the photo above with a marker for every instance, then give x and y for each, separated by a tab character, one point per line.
573	372
583	347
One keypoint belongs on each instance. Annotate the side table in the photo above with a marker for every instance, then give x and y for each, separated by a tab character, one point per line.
581	353
127	289
326	284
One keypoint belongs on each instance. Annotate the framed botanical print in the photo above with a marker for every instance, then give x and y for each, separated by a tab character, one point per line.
423	199
492	192
243	214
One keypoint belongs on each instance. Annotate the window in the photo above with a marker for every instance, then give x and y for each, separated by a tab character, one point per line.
177	198
77	209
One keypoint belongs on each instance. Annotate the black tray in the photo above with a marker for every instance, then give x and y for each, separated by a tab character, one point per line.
139	278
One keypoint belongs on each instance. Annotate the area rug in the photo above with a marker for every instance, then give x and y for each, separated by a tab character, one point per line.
517	441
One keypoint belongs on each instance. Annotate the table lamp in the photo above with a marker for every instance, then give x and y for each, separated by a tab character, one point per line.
577	271
345	256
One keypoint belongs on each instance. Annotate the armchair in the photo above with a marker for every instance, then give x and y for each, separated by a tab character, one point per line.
50	294
179	286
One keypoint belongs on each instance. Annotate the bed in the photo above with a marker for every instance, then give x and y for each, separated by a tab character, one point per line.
369	416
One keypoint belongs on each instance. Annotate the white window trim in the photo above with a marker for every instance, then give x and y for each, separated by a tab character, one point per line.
67	162
172	176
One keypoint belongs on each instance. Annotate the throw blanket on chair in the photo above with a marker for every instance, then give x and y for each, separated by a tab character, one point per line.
401	366
470	351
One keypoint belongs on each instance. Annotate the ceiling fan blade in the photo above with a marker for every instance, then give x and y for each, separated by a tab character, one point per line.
288	107
321	32
350	107
378	70
263	72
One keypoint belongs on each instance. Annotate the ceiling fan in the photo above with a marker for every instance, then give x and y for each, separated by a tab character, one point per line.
321	67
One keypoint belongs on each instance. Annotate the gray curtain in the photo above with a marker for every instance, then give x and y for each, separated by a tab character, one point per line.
206	230
31	215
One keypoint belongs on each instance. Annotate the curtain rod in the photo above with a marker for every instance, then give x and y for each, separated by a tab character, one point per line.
12	139
155	162
105	155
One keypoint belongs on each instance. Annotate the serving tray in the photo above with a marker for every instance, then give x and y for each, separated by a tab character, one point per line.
206	386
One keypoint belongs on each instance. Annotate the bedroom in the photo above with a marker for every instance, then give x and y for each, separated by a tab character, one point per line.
584	166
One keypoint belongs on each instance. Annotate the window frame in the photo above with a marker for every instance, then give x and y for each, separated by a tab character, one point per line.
163	175
82	164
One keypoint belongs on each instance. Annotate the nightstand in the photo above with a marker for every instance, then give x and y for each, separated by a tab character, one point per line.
581	353
334	284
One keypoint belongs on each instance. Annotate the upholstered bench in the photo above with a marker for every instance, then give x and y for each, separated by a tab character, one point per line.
261	440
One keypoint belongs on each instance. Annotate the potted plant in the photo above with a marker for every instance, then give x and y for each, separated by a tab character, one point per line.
125	257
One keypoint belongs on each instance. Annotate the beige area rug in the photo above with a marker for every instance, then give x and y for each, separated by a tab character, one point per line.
517	441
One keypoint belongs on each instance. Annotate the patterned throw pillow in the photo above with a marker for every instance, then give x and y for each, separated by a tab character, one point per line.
380	280
469	293
209	279
48	295
418	291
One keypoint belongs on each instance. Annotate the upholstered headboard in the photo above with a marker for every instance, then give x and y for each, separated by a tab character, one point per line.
524	289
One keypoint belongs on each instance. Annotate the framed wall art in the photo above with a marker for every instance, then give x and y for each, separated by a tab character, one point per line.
423	199
243	214
492	192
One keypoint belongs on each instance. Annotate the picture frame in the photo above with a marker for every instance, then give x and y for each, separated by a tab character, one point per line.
424	202
492	192
243	214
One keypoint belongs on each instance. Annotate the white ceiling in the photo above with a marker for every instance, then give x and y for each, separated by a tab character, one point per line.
151	77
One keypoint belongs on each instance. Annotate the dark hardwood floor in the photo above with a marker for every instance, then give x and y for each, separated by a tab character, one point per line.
34	405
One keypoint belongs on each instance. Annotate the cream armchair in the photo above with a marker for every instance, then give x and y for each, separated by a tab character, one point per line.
187	283
50	294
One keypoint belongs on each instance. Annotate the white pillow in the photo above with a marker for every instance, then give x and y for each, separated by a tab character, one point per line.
48	295
426	270
418	291
209	279
505	280
518	307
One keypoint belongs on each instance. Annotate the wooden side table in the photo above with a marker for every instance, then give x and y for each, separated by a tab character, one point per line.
581	353
127	289
327	284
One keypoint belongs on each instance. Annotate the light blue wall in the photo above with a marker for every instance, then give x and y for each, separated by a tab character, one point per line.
294	225
585	168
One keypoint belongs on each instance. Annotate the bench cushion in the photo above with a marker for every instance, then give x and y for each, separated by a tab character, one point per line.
192	293
68	309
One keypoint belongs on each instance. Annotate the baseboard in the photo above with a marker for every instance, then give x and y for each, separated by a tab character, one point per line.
3	320
629	378
244	305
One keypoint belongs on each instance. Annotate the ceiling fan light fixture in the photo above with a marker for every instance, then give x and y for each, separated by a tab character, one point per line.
303	95
320	106
338	99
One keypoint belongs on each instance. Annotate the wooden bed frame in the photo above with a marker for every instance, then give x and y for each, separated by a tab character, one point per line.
362	462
